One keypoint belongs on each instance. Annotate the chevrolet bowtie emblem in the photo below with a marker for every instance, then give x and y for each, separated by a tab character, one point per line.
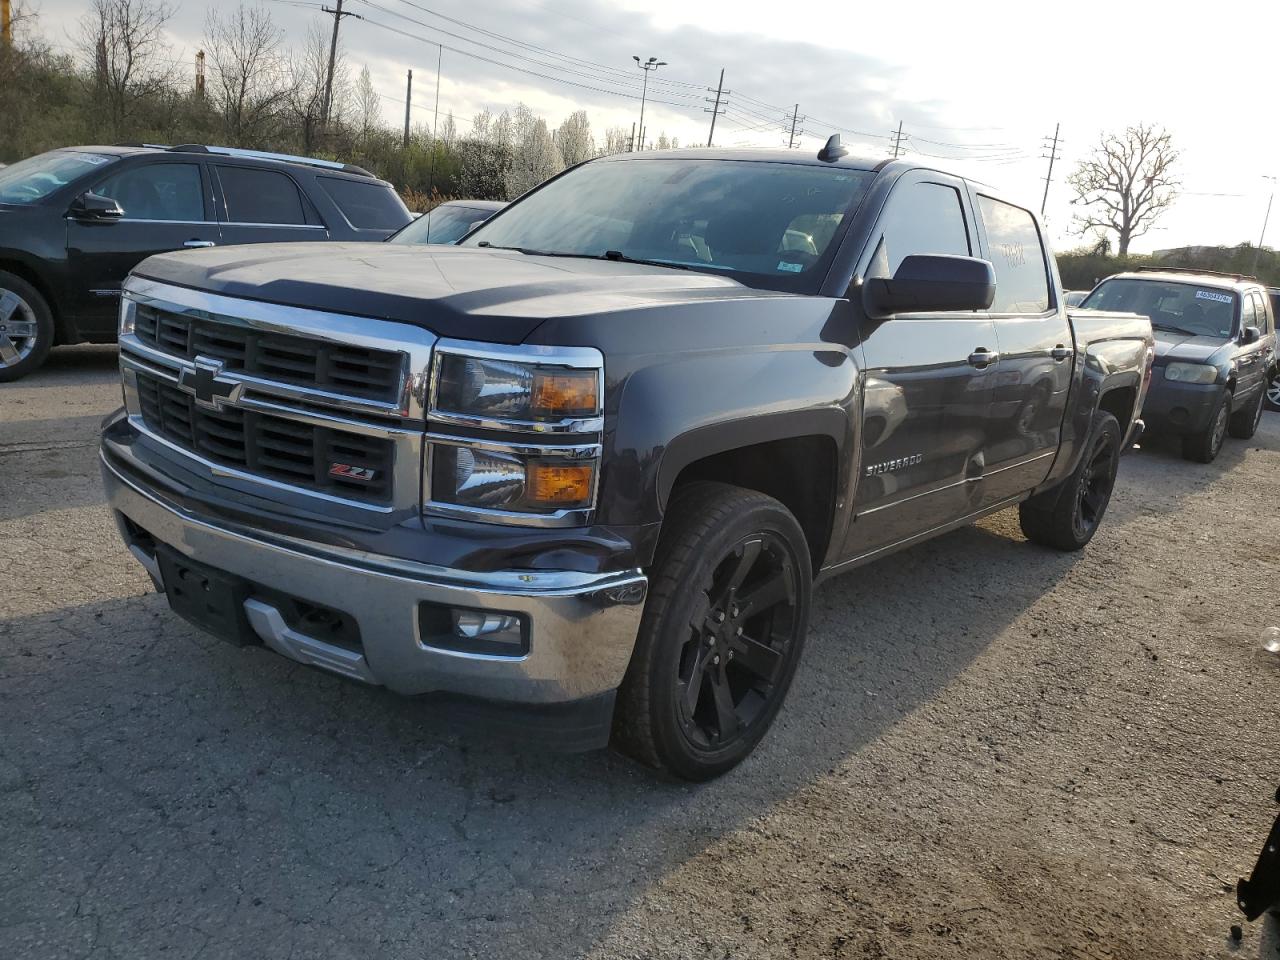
205	382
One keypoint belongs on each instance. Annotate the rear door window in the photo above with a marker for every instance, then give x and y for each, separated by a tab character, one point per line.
157	191
1260	310
253	195
367	206
1017	256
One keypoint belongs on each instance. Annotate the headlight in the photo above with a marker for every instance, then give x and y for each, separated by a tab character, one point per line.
527	480
537	415
1191	372
514	390
128	314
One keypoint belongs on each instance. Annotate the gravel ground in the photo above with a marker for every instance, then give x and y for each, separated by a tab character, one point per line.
990	750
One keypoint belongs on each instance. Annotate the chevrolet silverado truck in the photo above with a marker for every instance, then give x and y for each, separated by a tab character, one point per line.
588	465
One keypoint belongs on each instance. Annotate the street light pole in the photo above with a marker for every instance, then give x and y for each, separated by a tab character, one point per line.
653	63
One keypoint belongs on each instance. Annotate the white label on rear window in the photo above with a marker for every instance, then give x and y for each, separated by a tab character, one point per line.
1216	297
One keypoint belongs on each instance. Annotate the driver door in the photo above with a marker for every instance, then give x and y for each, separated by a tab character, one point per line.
166	207
929	381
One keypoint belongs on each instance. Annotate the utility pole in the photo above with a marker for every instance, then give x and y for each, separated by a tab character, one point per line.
653	63
1258	252
715	111
632	145
408	99
897	141
6	23
795	115
1053	155
435	119
199	72
338	14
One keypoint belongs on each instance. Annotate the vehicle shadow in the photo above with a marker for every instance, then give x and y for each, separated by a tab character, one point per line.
72	366
233	785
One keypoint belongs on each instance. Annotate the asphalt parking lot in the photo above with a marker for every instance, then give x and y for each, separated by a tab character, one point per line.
990	750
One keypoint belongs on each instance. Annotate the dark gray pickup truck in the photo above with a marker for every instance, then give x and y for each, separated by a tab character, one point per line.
587	466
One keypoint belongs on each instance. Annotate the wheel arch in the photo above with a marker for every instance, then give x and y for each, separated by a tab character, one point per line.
793	457
62	332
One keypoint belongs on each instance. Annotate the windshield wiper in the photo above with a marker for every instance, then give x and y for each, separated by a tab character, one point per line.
616	255
1172	329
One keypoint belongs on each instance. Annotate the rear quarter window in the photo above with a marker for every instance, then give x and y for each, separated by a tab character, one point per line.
367	206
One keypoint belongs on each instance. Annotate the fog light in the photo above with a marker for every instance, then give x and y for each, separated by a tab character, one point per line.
493	633
476	624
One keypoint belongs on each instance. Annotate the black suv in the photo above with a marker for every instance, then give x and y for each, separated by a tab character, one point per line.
1215	351
74	222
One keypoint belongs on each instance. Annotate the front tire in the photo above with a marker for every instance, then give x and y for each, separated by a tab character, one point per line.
1067	517
1244	423
26	328
722	632
1273	391
1203	447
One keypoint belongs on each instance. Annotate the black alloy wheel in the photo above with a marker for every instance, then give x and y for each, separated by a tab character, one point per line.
1093	492
722	632
738	642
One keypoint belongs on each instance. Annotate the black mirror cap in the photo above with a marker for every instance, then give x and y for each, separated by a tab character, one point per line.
1250	335
91	206
928	283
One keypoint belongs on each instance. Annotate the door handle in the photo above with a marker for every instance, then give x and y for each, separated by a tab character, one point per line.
982	357
194	244
1060	352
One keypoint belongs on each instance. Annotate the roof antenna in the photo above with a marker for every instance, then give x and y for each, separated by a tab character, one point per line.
834	150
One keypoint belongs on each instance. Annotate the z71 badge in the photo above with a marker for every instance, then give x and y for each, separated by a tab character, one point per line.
875	469
347	472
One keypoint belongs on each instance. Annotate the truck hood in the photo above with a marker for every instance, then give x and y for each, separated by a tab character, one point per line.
466	292
1185	348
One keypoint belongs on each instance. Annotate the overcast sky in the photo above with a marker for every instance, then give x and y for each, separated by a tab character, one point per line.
979	84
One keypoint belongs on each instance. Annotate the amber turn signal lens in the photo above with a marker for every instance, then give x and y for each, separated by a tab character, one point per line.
566	392
559	484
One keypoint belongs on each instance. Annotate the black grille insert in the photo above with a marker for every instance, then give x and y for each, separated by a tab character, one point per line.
340	368
344	464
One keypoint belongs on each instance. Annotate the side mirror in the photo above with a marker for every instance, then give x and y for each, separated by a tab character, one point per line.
92	207
1250	335
930	283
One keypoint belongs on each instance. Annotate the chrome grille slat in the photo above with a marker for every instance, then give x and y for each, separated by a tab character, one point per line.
364	373
277	448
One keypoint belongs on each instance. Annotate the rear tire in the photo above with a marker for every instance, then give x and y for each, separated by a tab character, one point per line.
1244	423
1203	447
1067	517
26	328
722	632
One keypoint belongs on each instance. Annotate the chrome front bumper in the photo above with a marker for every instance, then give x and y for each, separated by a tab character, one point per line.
582	626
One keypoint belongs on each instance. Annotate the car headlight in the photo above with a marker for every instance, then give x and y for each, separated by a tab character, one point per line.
128	314
1191	372
517	479
513	390
538	416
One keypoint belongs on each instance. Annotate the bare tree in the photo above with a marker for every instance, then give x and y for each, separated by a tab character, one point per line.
574	139
534	157
122	44
1126	185
306	85
368	105
249	78
448	131
617	140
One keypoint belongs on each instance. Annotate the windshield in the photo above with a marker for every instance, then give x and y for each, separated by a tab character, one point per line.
447	223
33	179
768	224
1172	306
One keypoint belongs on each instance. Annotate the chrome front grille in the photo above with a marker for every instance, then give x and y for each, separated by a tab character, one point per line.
279	401
341	368
299	454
